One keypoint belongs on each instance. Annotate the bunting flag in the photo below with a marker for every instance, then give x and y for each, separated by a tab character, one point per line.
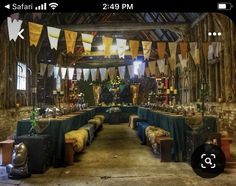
102	73
112	72
55	72
183	61
161	65
216	49
161	49
93	74
194	51
183	49
166	69
87	40
70	73
107	42
205	47
53	36
87	47
141	70
121	47
152	67
43	68
106	74
131	71
78	73
210	52
172	58
147	71
50	70
63	72
35	31
58	83
86	72
134	46
146	49
70	37
14	27
122	70
15	16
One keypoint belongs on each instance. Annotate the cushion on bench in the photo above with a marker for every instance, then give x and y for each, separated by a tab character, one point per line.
95	121
91	130
80	136
141	126
102	117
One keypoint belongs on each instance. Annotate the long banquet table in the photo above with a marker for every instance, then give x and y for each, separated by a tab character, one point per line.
125	112
56	128
175	124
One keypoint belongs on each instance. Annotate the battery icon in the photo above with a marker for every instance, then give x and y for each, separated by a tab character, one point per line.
224	6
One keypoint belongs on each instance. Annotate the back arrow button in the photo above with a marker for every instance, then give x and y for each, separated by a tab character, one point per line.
19	34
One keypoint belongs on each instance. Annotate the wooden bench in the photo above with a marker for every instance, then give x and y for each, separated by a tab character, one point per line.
225	146
7	148
69	151
166	144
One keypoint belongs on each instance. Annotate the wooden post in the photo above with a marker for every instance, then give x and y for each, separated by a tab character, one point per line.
227	59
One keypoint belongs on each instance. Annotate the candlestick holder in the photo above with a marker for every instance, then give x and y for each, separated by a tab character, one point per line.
58	94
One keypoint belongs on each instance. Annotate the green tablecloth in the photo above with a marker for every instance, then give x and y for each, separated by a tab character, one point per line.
56	128
175	124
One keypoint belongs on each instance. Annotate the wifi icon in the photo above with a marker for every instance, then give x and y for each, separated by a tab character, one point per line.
53	5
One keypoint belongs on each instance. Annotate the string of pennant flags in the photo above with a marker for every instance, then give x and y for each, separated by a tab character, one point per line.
210	51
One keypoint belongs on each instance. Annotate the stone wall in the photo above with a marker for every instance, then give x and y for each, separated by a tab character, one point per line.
9	118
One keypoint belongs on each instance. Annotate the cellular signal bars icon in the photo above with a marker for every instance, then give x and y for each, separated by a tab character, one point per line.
41	7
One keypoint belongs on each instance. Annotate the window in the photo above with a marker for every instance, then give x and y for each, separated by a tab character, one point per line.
21	76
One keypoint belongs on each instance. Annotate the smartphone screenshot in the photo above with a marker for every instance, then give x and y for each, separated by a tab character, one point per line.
117	93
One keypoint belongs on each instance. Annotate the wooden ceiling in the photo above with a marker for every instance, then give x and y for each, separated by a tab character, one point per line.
141	26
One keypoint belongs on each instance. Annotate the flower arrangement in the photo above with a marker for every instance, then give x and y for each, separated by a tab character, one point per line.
116	81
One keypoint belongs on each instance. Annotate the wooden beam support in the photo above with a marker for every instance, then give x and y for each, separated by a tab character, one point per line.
121	27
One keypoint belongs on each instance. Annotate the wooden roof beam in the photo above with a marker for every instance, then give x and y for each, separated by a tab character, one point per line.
111	27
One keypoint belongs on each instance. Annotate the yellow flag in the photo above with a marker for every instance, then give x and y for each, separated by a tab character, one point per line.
35	31
134	46
70	37
107	42
146	49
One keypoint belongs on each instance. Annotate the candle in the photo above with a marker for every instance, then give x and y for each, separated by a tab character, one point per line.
54	92
175	91
168	91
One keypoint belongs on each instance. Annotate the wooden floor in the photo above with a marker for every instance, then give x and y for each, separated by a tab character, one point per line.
116	157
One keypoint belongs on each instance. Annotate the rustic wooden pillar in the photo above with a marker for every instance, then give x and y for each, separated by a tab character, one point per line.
227	59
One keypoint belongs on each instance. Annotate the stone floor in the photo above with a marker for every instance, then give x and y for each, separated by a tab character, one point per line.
117	158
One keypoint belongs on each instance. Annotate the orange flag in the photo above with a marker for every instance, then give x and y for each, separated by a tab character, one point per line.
134	46
161	48
35	31
70	37
107	42
172	58
183	49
